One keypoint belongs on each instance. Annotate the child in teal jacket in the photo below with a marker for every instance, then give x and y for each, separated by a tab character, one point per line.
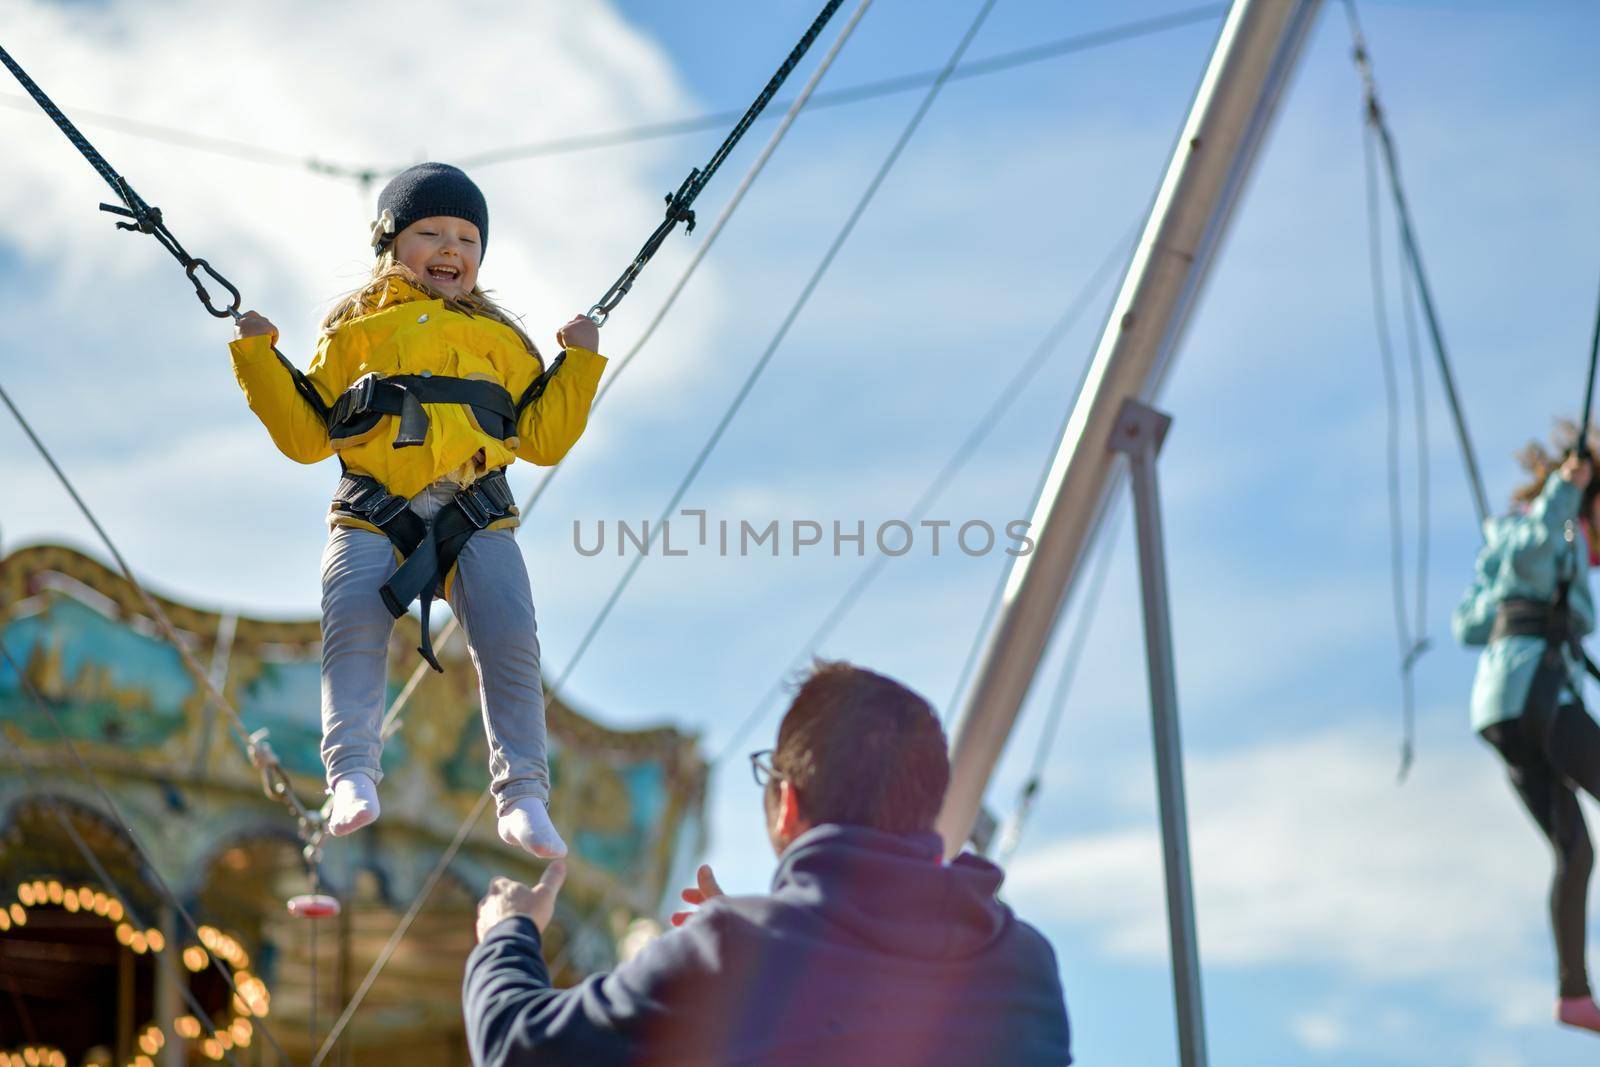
1526	696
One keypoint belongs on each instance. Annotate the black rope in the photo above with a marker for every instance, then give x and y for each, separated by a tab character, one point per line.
680	205
1588	392
146	219
1413	257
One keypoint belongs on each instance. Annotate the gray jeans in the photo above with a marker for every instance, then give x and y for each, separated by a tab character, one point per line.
491	597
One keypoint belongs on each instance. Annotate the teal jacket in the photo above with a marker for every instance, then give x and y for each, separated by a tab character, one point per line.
1525	555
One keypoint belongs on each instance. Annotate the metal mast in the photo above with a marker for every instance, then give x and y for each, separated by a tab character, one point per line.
1254	57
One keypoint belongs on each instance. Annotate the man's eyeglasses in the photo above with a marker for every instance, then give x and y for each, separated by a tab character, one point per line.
761	768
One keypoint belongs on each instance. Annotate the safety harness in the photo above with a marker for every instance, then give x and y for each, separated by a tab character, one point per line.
1552	621
372	397
428	548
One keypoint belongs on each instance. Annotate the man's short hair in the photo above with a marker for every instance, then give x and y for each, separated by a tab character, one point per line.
863	750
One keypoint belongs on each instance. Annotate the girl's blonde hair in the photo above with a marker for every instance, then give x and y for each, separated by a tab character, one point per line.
1539	463
374	295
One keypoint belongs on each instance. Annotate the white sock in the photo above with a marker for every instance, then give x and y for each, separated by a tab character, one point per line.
527	825
355	803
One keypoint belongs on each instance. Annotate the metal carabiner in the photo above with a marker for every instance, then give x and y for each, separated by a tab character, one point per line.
191	269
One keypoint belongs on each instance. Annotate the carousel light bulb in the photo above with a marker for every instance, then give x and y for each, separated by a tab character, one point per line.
194	958
31	1057
138	943
211	1048
55	892
242	1032
124	934
25	894
208	937
114	911
143	1061
102	903
18	916
70	902
85	897
225	1039
5	924
187	1026
157	940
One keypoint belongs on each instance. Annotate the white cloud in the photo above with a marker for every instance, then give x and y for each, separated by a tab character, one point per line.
1306	853
1319	1031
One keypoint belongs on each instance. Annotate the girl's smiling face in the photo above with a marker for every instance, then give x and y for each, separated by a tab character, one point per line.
442	251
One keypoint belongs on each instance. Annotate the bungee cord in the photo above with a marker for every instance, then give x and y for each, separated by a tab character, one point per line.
680	205
1588	391
1409	627
1413	259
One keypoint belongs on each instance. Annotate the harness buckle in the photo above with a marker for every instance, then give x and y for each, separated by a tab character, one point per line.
359	395
385	511
498	490
475	510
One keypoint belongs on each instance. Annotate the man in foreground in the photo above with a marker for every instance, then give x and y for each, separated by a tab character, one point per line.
868	950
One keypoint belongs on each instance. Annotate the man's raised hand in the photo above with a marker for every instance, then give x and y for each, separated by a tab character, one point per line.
508	897
705	888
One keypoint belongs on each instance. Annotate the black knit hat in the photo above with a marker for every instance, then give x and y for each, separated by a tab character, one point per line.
423	191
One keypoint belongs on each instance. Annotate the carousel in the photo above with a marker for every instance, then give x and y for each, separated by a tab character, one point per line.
145	875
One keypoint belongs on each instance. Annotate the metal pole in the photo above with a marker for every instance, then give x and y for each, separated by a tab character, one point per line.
1255	53
1139	434
168	996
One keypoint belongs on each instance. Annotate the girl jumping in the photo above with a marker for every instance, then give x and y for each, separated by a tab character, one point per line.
1529	604
426	390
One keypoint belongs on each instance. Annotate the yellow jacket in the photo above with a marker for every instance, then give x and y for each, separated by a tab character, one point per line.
411	334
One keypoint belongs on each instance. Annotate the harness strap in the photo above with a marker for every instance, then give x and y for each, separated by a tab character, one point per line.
536	389
307	391
1523	617
1526	617
372	397
428	550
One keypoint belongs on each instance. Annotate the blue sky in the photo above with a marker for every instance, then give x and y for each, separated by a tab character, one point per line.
1344	919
